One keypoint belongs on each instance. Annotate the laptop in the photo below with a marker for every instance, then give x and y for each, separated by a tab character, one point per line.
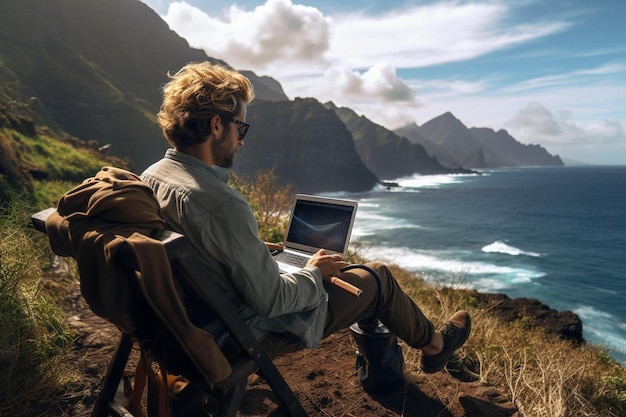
316	223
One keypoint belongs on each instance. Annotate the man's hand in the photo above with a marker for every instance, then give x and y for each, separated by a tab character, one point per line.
329	265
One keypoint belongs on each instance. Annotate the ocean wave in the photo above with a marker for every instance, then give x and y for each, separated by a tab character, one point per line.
482	276
368	224
592	313
363	216
500	247
364	203
428	181
404	190
604	327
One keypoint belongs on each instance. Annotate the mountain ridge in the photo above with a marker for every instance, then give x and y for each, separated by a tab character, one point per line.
453	143
93	71
387	154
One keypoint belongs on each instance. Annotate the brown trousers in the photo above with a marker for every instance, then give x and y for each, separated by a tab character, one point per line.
397	310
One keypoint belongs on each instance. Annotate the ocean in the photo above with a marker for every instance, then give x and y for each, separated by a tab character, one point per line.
556	234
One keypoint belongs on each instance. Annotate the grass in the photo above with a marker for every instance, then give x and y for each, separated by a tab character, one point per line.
47	193
541	374
60	160
41	164
33	334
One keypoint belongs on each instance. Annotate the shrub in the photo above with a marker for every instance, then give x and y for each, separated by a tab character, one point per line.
270	202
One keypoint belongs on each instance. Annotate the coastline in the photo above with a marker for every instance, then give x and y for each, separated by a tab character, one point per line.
550	234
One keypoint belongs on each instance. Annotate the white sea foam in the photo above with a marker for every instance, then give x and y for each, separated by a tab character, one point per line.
370	223
500	247
428	181
368	204
489	285
602	327
482	276
592	313
368	216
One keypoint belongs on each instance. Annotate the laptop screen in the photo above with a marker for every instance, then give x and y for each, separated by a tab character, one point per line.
321	224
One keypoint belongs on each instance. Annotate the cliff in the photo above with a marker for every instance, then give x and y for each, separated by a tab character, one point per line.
447	138
533	313
517	154
307	144
387	154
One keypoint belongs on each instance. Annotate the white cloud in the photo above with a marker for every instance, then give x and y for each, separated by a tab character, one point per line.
353	58
568	78
433	34
283	38
449	88
273	36
536	124
379	83
383	114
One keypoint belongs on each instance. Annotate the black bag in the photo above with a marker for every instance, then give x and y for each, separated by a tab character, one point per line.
379	360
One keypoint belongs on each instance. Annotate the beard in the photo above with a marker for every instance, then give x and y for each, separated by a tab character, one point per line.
223	153
224	158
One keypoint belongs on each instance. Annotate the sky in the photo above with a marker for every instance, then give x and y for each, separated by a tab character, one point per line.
551	73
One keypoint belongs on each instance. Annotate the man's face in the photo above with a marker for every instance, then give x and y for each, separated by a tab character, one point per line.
225	147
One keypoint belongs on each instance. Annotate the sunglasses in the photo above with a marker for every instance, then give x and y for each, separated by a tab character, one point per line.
243	128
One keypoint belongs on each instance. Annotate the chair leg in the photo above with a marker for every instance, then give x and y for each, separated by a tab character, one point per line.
231	394
113	376
230	399
280	387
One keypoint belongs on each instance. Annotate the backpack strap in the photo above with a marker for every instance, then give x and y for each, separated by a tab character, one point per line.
157	383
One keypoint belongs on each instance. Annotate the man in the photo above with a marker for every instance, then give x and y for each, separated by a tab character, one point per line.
203	117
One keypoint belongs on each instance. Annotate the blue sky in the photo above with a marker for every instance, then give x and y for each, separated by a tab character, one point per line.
549	72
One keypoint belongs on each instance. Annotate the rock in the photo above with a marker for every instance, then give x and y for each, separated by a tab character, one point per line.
564	324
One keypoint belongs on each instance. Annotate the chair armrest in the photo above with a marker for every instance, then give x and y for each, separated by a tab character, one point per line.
38	220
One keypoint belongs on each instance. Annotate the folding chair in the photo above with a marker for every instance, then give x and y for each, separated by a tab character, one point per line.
186	265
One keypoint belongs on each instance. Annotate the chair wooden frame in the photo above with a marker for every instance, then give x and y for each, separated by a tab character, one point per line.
254	358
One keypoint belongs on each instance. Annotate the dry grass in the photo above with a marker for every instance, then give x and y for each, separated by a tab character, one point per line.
542	374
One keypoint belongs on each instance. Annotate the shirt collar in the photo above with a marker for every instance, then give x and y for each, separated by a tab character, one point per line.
223	174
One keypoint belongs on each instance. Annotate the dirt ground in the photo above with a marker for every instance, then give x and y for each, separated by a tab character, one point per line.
324	380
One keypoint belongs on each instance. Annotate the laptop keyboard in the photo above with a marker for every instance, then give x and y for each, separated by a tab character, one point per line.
292	259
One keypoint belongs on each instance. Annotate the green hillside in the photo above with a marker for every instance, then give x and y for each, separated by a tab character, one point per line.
38	164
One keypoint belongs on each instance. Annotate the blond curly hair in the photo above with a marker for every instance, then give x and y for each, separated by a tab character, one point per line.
195	94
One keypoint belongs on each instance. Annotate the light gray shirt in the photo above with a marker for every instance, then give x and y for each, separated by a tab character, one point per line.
196	201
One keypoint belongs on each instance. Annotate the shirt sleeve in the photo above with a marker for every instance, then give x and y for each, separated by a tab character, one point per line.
230	233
